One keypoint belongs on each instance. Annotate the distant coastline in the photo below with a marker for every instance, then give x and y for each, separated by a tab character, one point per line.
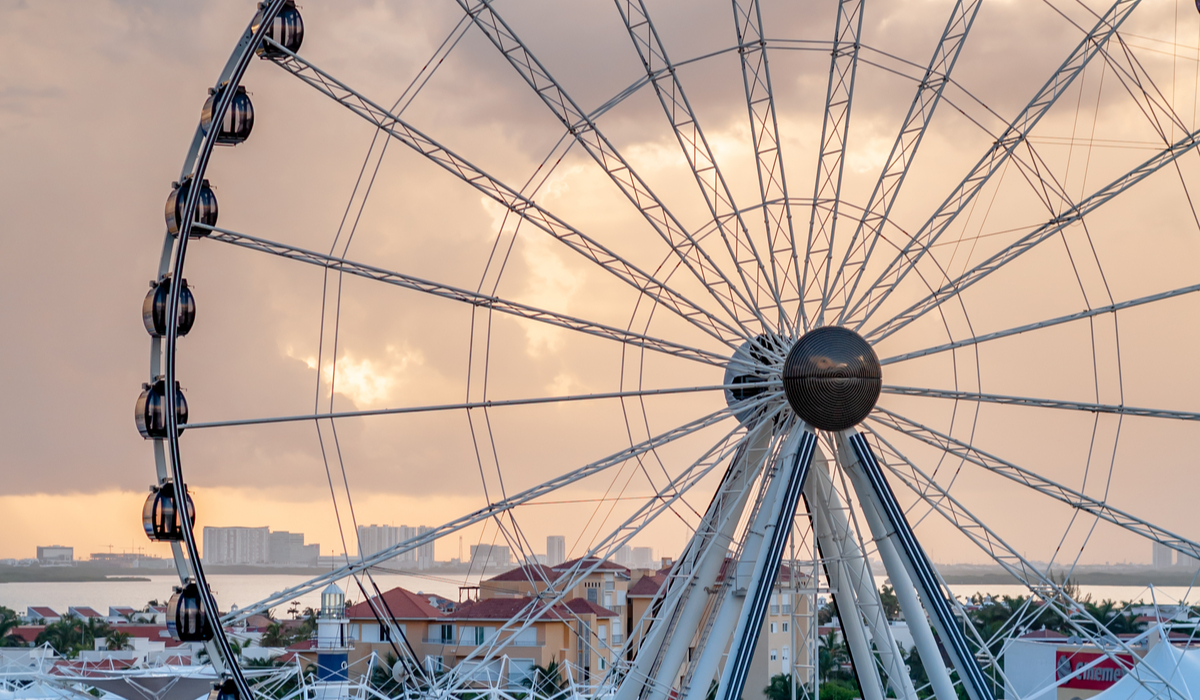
954	574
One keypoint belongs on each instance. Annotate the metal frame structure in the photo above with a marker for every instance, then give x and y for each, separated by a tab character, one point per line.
761	292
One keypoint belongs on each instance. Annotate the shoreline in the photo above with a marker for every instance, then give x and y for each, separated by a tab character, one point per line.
953	574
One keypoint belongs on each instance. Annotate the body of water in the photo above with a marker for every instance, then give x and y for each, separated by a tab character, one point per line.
230	590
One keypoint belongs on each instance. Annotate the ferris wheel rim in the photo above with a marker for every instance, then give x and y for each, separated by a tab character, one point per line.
194	194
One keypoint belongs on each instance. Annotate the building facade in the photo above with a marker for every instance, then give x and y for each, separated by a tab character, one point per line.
556	550
230	546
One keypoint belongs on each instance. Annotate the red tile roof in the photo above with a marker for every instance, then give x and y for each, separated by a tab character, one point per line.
647	586
27	633
401	603
84	611
503	609
44	612
529	572
1044	634
604	565
583	606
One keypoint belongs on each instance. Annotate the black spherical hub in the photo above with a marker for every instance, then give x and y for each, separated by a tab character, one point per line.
832	378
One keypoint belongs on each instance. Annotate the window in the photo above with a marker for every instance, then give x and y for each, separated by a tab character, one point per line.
773	630
616	625
525	638
774	604
479	632
608	600
433	664
787	604
593	595
774	655
519	672
447	634
785	627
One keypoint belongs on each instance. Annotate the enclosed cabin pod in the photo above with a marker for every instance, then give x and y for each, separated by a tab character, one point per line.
150	412
206	207
287	30
224	691
187	620
154	308
161	517
238	120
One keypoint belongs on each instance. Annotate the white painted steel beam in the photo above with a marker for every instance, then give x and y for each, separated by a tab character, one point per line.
906	594
854	567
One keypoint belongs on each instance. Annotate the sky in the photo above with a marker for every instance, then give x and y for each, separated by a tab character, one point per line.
98	104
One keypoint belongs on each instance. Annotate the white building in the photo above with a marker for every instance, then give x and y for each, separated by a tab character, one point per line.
55	554
556	550
237	545
376	538
1163	556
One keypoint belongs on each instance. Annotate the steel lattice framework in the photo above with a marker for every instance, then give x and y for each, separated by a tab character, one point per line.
737	293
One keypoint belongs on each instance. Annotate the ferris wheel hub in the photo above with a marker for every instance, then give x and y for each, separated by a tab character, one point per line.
832	378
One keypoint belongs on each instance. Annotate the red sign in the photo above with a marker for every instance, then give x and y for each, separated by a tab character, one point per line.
1099	677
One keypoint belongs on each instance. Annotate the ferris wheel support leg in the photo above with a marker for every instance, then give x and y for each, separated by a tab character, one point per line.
732	603
906	595
876	495
684	600
836	531
823	501
766	541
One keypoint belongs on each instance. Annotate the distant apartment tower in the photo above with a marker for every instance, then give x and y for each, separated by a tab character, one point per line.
288	549
1163	556
556	550
376	538
490	556
226	546
624	556
55	554
643	558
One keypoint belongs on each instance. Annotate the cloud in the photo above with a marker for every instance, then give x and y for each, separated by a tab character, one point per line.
101	100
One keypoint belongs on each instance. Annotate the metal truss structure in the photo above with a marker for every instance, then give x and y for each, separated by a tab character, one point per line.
788	500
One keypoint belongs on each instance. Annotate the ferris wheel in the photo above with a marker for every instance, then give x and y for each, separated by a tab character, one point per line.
960	331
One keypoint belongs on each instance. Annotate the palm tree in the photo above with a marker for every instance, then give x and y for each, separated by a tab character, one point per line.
546	681
66	636
117	641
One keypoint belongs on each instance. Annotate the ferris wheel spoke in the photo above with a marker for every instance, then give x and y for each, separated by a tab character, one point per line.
904	151
1014	135
493	509
508	197
1025	477
606	547
781	248
827	187
1041	403
766	386
661	73
465	296
995	547
1030	327
588	135
1073	215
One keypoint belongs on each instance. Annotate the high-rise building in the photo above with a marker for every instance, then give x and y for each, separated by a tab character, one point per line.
288	549
425	559
624	556
1163	555
237	545
490	556
643	558
556	550
376	538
